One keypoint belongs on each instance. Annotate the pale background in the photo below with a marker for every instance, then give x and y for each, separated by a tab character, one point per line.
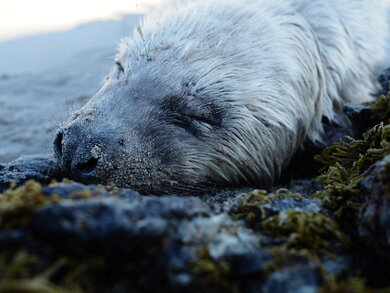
53	57
24	17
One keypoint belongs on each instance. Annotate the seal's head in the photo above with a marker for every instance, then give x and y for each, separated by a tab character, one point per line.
188	106
219	93
161	130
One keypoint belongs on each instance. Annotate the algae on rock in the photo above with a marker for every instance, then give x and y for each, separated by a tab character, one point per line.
18	205
302	230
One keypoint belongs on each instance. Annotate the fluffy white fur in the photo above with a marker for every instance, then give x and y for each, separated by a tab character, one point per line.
280	65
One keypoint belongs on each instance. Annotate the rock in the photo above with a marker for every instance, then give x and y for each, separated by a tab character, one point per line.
256	206
147	243
41	168
360	116
303	278
384	80
374	222
247	263
305	187
76	190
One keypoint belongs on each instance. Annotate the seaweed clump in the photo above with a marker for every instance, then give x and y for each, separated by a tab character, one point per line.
352	285
24	272
313	231
298	227
344	165
18	274
251	206
380	109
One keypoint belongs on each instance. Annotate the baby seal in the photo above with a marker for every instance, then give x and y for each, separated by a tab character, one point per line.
223	93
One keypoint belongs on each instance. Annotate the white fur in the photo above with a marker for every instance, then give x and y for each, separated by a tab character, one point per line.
281	64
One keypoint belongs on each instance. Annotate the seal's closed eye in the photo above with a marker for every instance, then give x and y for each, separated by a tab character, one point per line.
119	68
192	110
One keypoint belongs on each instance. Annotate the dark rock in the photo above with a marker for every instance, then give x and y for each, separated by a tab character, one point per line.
247	263
12	238
303	278
150	243
63	190
374	223
143	238
384	80
305	187
360	116
286	204
41	168
113	223
77	190
303	165
340	266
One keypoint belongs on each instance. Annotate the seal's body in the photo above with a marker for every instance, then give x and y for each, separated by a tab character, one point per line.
222	93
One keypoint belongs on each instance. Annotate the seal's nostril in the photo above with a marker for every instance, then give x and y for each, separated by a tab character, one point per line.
58	143
88	167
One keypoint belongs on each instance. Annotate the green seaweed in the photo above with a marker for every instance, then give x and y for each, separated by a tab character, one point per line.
380	109
250	205
352	285
26	273
299	230
311	231
344	164
17	274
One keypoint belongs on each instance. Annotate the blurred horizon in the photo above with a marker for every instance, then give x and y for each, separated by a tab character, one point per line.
23	18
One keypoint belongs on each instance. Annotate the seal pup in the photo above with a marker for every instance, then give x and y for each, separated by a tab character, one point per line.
223	93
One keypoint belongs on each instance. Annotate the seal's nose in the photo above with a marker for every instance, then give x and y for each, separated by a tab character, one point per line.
58	145
86	169
75	156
